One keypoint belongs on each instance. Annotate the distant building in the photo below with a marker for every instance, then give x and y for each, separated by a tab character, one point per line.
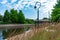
44	21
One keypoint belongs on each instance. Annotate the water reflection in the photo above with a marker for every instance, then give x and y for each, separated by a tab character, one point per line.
1	37
5	32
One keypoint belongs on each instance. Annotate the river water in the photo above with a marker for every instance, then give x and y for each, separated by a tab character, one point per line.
1	37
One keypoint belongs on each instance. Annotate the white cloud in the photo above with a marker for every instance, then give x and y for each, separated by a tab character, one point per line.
18	5
12	1
46	5
4	2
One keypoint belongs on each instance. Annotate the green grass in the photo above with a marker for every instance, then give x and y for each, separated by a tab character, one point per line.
5	22
44	35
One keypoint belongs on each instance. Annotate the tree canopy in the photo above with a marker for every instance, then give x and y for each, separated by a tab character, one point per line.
55	16
14	16
6	17
21	17
1	17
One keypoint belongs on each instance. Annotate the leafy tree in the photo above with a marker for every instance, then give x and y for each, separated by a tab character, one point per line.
1	17
58	4
55	16
45	18
6	17
30	21
21	17
14	16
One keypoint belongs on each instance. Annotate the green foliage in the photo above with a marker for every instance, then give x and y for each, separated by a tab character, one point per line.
21	18
5	22
45	18
14	16
30	21
58	4
1	17
6	17
55	16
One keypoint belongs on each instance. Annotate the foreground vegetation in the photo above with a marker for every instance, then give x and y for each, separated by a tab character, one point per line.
53	33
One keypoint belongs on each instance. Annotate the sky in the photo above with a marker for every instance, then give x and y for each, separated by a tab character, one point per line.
27	6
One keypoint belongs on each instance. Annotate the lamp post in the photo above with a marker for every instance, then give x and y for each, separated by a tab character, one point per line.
49	18
37	6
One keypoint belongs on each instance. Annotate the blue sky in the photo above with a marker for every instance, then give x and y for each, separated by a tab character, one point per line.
27	6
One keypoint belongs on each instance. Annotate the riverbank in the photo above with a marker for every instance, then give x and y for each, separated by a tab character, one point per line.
24	36
41	34
13	26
